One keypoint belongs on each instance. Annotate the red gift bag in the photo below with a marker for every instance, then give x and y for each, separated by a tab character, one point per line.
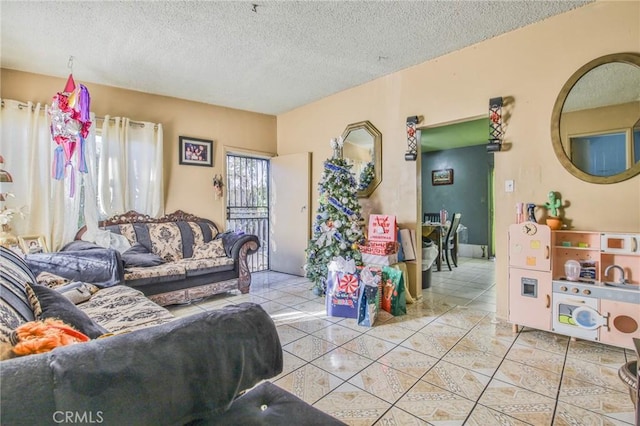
382	227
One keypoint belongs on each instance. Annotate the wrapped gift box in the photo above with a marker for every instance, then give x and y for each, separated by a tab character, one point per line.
382	227
379	247
379	260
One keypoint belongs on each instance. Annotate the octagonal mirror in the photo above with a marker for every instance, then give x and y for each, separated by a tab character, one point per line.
595	124
363	150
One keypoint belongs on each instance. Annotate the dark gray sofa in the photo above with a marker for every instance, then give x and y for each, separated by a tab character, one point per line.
183	370
174	238
203	369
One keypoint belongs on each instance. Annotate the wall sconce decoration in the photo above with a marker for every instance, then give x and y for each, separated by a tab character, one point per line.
412	138
496	133
218	186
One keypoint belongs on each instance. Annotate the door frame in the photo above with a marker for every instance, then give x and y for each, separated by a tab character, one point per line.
490	192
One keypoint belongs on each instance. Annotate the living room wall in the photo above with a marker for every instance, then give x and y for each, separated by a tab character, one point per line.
187	188
530	65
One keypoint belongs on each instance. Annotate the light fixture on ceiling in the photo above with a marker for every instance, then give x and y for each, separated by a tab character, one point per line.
496	133
412	138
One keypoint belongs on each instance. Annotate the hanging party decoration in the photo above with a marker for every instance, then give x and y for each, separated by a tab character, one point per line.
70	123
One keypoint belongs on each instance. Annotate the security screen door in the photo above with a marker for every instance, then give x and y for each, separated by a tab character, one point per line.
248	203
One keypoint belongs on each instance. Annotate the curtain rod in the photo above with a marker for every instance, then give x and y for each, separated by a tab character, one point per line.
131	122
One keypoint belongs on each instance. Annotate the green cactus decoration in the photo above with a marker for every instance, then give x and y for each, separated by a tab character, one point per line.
554	204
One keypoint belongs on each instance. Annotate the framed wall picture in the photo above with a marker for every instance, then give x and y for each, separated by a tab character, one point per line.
33	244
196	152
442	177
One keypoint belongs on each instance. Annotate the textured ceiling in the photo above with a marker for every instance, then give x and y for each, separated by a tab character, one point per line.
282	55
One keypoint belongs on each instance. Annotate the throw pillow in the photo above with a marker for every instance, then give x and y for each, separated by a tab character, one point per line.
140	255
48	303
213	248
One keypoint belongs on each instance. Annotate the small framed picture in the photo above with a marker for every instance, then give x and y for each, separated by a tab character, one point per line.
442	177
33	244
196	152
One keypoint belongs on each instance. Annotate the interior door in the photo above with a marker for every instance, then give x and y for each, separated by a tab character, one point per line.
289	220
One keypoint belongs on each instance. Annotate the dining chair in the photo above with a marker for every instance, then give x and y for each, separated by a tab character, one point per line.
450	244
431	217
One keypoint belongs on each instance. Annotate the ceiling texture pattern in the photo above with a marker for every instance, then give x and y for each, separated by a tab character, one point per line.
268	57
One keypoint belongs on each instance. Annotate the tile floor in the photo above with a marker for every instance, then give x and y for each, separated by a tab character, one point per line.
449	361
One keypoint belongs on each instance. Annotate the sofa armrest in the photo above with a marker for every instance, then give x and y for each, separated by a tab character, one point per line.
188	369
233	242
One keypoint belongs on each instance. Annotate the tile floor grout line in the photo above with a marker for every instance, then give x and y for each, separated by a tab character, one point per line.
432	302
476	403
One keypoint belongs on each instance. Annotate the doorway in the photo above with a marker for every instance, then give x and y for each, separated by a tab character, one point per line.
248	203
460	148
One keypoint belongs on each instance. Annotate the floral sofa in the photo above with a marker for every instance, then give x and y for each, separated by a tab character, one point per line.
181	257
142	365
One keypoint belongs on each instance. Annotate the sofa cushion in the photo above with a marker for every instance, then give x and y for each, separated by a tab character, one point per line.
269	405
15	308
48	303
166	272
139	255
121	308
195	267
166	240
212	249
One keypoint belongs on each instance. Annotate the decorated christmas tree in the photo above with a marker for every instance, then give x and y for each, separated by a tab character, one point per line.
338	223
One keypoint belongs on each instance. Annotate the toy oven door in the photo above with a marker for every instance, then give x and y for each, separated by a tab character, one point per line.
577	316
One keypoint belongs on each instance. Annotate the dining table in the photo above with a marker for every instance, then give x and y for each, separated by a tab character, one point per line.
435	232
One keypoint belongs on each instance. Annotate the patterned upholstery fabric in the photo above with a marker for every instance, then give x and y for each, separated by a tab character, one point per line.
166	240
128	231
198	236
15	308
51	280
212	249
122	308
167	269
205	263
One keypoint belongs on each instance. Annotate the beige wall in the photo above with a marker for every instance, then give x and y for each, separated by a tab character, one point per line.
531	65
187	188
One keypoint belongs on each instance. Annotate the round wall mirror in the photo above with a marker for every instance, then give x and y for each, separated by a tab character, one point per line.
363	150
595	124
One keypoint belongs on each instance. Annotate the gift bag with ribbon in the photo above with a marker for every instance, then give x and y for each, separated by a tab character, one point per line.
343	288
382	227
369	300
393	298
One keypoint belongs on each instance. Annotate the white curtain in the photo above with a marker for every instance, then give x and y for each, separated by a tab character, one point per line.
130	175
27	148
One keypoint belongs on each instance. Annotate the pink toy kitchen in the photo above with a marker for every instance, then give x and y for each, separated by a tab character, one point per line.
582	284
